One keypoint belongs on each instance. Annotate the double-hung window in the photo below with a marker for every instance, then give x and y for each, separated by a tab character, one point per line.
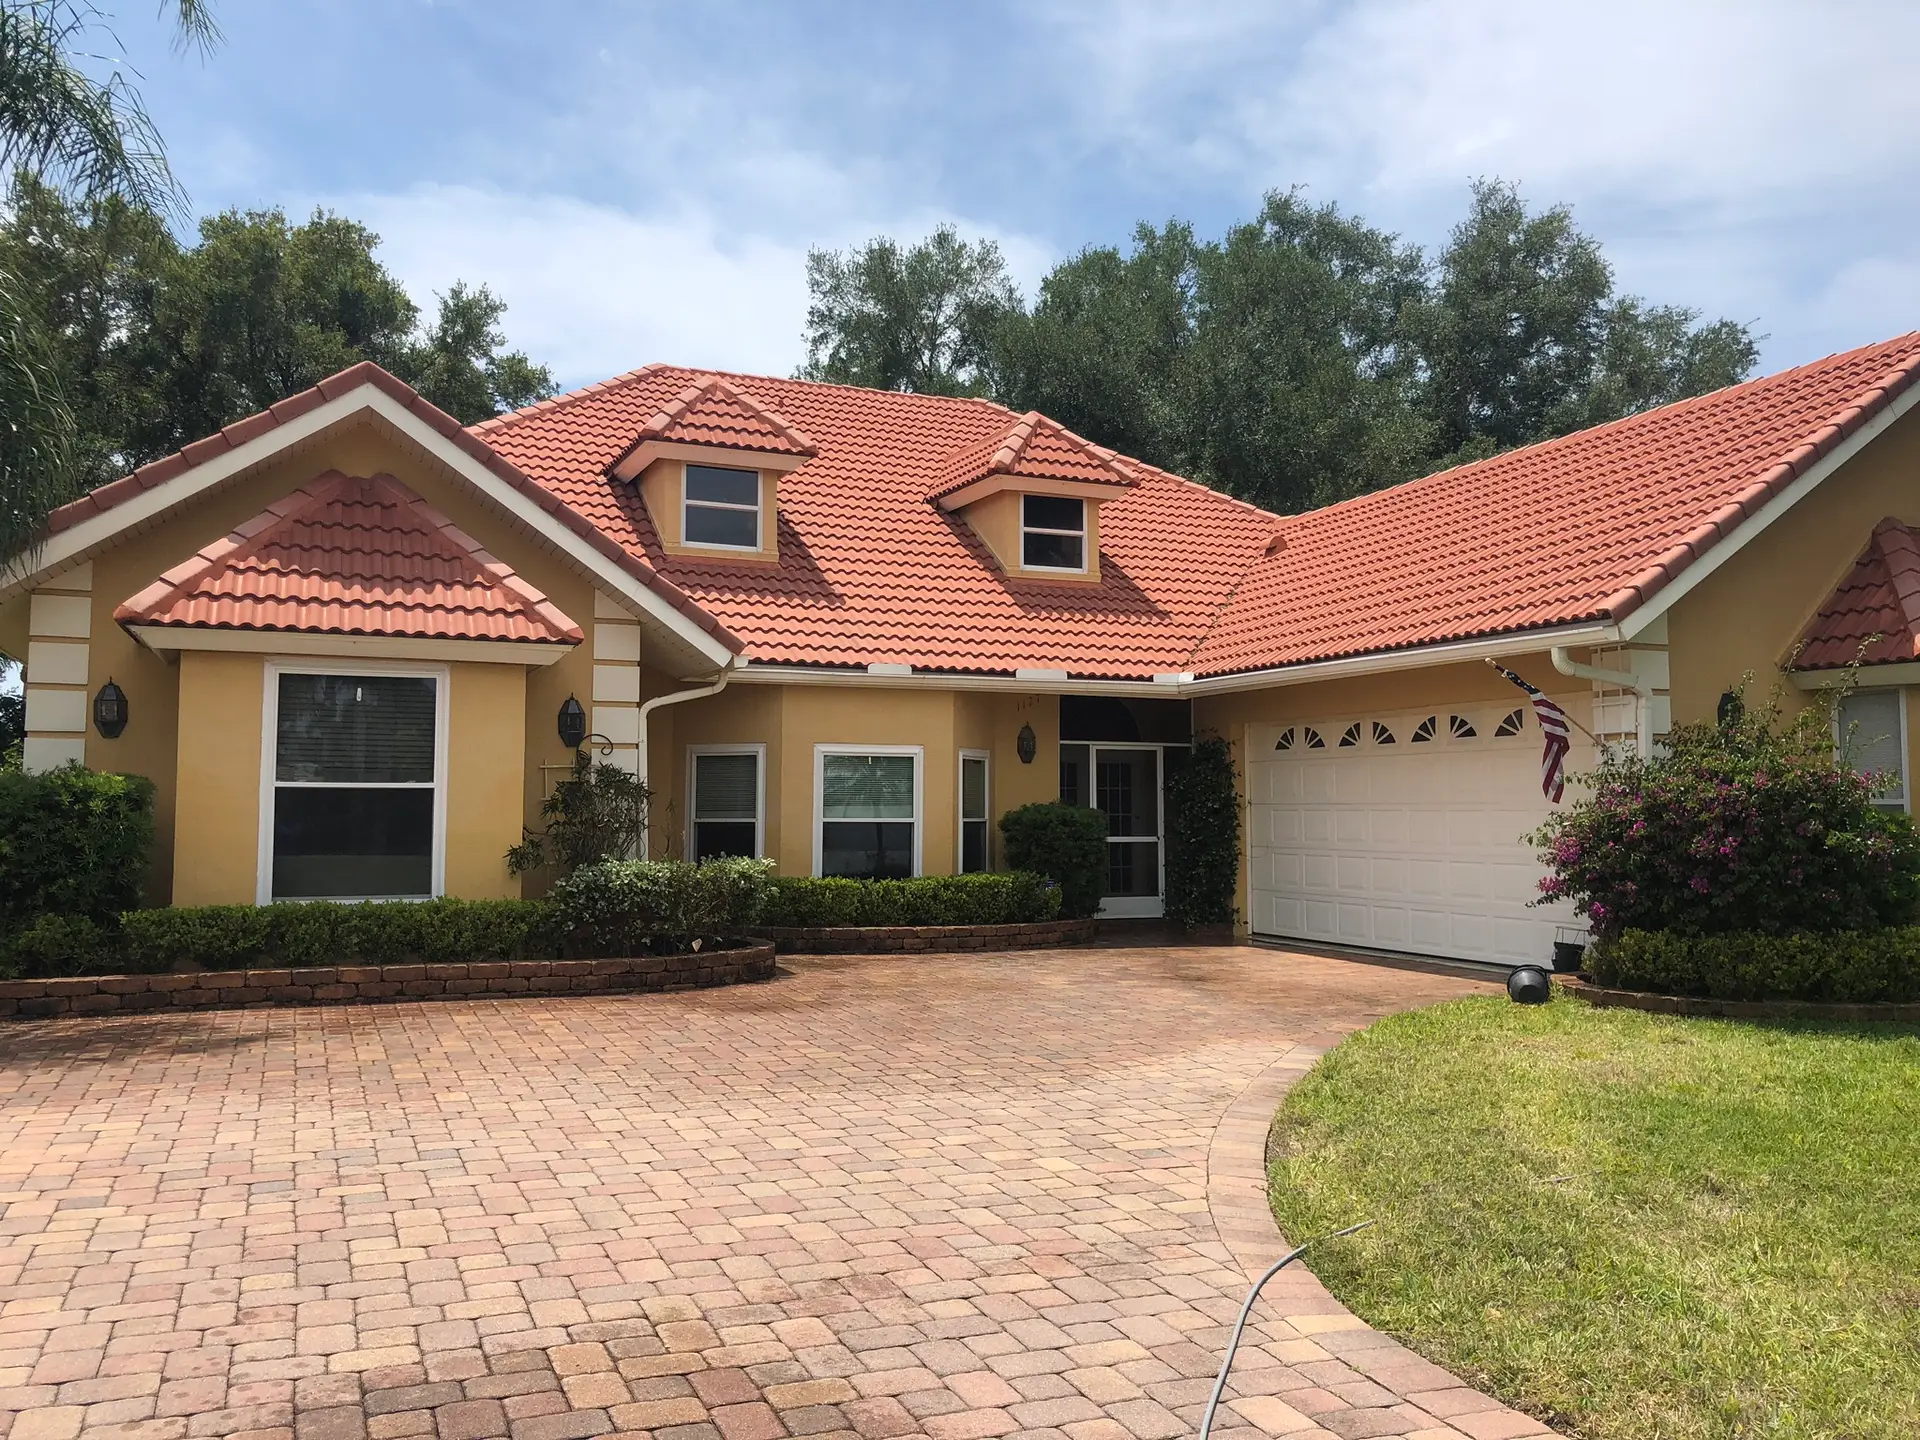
1873	739
867	811
725	801
973	811
1053	533
722	508
355	799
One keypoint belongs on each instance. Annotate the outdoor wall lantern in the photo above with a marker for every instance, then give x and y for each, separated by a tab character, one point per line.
1026	746
573	724
110	711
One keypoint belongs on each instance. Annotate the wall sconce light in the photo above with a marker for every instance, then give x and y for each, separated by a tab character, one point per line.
1026	746
573	724
110	711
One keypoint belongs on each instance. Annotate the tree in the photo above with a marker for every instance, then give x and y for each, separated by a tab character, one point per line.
926	318
91	139
1522	337
459	365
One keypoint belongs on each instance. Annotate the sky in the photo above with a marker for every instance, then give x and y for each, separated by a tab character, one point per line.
642	182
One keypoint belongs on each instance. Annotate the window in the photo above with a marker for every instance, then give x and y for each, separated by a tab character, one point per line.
722	509
1314	742
724	798
1461	728
973	811
1873	738
1053	533
1285	742
1426	730
1381	734
867	808
1512	725
1350	736
353	802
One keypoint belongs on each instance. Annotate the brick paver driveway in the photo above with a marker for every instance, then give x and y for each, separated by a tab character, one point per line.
958	1196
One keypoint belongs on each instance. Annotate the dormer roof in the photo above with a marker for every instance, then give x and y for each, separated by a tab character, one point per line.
1032	448
352	555
713	414
1877	602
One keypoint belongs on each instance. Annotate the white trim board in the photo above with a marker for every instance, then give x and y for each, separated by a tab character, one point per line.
167	640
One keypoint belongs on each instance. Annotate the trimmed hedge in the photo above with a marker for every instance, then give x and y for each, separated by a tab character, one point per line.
1845	967
1017	898
1067	844
73	842
634	907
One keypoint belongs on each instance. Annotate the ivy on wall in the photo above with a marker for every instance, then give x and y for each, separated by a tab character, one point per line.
1203	835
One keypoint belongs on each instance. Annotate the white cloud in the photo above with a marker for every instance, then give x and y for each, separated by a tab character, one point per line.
594	290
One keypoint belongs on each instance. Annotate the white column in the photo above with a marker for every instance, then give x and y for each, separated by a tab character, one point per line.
59	623
615	712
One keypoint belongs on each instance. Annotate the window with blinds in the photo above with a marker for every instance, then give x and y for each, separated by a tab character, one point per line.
973	813
355	775
725	803
1873	741
869	814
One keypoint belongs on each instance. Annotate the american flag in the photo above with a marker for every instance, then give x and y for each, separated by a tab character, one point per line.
1555	730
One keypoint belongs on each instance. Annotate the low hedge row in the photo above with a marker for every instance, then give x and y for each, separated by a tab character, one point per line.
1016	898
1847	967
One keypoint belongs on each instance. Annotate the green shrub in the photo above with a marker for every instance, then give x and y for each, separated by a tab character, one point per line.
633	907
291	935
1019	897
599	812
52	945
1067	844
1847	966
72	842
1748	825
1203	834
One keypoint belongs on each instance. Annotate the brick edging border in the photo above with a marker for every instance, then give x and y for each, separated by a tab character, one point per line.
1655	1003
1426	1399
363	984
894	939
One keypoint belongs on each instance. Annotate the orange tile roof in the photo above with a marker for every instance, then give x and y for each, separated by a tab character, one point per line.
349	555
871	571
1584	528
1873	615
1031	447
709	411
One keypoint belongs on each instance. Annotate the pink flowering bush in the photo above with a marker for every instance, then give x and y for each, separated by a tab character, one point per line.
1752	826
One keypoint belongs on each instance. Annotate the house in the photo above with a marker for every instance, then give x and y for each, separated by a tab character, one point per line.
848	629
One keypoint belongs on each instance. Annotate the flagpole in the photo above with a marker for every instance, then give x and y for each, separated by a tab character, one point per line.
1599	744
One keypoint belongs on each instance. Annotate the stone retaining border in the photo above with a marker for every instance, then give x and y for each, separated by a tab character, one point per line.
1656	1004
891	939
361	984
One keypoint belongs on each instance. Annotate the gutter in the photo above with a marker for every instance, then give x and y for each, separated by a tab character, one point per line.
1642	689
674	697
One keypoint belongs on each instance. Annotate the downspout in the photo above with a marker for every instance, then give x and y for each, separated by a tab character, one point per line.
673	697
1564	662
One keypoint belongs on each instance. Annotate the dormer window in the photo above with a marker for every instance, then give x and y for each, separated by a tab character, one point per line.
722	508
1053	533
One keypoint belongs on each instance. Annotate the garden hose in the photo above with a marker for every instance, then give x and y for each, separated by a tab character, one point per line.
1240	1325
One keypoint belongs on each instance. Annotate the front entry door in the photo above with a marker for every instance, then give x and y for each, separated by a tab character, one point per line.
1126	789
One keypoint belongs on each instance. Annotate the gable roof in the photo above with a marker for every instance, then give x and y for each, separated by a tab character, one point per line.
871	572
1588	527
712	412
83	526
1877	606
1031	447
348	555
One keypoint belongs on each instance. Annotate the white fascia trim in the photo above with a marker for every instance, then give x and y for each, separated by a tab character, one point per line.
754	673
171	639
1676	589
1091	490
1865	677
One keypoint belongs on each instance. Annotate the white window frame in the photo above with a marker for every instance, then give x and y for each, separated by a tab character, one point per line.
820	753
687	502
759	752
985	757
275	667
1080	534
1887	799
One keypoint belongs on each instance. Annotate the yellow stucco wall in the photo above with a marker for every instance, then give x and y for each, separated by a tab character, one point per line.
216	824
486	753
1747	615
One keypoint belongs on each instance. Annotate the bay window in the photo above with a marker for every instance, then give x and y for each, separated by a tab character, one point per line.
867	811
354	799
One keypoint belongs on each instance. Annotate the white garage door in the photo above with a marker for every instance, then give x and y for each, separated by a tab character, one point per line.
1403	832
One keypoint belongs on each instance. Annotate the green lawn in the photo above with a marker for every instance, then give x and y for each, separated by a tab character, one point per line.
1630	1225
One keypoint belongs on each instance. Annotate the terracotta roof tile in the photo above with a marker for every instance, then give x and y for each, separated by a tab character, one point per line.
1873	615
1030	447
712	412
347	555
1586	527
